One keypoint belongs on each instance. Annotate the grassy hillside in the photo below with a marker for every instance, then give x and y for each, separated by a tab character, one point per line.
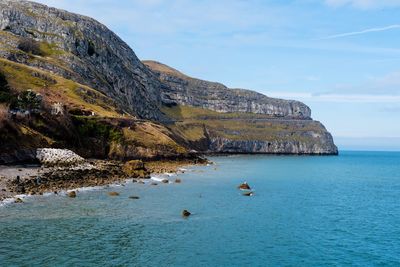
91	123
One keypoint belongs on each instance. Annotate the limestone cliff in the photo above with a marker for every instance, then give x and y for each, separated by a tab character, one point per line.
217	119
184	90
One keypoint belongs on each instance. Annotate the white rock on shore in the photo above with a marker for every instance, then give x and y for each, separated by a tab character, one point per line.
53	156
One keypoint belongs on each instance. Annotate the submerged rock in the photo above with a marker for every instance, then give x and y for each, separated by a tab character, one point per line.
178	181
186	213
18	200
113	194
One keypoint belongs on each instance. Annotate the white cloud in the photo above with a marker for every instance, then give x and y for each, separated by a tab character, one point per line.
364	4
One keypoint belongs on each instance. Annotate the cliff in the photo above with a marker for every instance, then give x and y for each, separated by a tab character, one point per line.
184	90
83	50
66	81
216	119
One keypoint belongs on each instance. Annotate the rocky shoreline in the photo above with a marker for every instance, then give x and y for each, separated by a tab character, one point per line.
69	175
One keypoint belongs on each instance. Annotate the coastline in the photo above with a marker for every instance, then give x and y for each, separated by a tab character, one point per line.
93	174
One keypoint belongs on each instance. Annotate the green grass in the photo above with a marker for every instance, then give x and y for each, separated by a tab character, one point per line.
21	78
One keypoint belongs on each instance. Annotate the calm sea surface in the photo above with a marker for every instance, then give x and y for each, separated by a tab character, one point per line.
306	211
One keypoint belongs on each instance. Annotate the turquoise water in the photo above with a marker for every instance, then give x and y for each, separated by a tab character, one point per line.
306	211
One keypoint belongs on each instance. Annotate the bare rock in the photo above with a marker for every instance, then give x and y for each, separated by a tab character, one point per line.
244	186
72	194
54	157
185	213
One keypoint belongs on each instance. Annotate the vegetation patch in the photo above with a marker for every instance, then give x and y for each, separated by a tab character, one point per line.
92	127
30	46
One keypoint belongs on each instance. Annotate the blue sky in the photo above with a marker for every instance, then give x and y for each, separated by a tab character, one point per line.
340	57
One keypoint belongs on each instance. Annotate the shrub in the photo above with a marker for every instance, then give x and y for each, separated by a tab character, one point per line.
91	50
30	46
29	100
3	83
5	94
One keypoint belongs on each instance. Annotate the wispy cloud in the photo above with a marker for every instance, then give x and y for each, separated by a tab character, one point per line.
346	34
363	4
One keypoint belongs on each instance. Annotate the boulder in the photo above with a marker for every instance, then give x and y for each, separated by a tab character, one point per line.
135	168
244	186
72	194
18	200
186	213
58	157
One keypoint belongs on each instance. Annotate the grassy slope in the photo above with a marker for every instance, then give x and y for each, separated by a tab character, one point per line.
106	134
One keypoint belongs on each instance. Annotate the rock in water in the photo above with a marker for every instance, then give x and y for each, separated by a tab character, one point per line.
113	194
186	213
178	181
18	200
72	194
244	186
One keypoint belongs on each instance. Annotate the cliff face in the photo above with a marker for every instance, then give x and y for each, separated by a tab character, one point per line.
311	143
217	119
184	90
83	50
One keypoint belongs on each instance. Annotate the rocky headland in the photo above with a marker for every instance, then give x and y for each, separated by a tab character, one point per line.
70	85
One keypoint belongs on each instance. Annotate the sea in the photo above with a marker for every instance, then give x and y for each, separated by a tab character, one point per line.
305	211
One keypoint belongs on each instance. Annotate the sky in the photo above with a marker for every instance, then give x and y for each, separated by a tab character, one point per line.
340	57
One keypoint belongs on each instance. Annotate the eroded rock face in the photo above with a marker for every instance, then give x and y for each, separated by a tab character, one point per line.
181	89
224	145
82	50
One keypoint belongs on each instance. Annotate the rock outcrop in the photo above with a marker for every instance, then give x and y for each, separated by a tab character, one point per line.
184	90
54	157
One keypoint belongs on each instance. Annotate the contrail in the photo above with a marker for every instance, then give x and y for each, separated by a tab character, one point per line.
390	27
